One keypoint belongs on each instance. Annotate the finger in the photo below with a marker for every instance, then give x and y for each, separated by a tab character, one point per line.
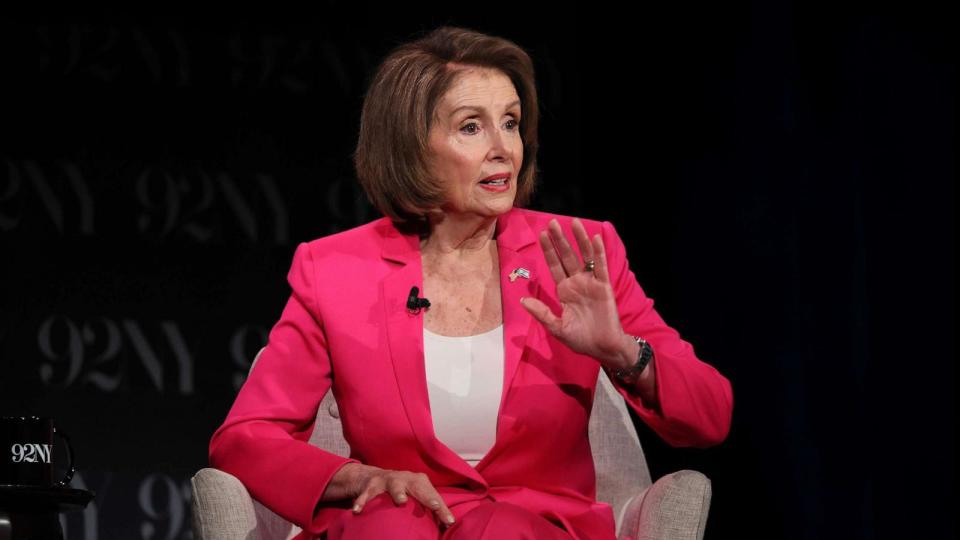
583	240
567	257
362	499
550	253
399	494
374	486
398	486
601	270
542	313
424	491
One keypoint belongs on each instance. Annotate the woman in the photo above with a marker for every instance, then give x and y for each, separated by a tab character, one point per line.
476	407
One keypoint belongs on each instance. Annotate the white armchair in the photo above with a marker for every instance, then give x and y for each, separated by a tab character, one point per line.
674	507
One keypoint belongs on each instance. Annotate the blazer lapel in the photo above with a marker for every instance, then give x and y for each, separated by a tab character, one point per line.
517	249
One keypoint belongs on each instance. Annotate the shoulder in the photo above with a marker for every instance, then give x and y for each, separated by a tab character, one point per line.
538	220
340	266
365	238
326	259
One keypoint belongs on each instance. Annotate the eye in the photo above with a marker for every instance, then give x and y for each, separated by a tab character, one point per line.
469	132
514	123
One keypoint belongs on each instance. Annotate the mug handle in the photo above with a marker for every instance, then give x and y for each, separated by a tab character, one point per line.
70	468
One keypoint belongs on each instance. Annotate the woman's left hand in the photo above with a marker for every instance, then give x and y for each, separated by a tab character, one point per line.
590	322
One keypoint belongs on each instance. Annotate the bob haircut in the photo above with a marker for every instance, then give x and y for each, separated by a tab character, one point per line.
400	107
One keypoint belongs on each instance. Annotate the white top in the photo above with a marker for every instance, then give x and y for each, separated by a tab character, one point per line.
465	382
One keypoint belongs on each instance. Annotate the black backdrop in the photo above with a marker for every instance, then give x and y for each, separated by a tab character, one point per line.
781	173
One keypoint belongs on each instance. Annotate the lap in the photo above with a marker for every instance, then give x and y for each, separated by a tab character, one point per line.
382	518
491	520
502	520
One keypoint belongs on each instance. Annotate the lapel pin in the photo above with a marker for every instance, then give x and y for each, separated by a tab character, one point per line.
522	272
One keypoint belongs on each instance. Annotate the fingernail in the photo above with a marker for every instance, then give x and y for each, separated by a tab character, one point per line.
402	497
356	508
450	520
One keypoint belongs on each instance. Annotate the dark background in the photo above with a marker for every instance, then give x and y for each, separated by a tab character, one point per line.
782	174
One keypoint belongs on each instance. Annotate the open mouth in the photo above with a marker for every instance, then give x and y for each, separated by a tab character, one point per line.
496	185
497	182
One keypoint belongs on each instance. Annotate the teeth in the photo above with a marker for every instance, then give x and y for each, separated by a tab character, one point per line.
499	182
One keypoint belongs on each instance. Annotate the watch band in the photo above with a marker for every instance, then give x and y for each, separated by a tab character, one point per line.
643	358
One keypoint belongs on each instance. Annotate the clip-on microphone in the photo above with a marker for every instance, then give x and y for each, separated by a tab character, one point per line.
413	303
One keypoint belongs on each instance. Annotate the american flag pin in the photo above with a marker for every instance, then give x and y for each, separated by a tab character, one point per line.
522	272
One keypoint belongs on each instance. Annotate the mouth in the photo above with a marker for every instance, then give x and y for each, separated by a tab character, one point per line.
498	181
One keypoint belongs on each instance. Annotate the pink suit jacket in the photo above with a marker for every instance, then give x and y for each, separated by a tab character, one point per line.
346	326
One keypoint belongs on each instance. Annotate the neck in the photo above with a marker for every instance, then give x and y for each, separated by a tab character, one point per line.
460	235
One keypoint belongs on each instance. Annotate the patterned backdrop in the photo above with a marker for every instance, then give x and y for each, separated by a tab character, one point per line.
782	174
156	175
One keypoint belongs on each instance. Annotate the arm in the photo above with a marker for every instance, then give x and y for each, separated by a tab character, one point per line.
692	402
263	441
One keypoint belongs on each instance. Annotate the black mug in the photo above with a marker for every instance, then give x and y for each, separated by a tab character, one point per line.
26	452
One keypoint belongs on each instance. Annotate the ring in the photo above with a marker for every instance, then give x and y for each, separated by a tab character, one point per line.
589	266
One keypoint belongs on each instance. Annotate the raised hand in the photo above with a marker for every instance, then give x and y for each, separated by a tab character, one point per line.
590	322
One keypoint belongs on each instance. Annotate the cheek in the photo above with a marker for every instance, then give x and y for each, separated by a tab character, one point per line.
518	150
462	164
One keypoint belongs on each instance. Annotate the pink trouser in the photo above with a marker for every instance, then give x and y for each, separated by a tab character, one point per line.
382	518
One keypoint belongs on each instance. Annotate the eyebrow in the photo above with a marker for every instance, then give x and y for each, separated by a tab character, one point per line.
474	107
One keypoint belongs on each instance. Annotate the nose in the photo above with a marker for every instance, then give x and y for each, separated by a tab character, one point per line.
499	149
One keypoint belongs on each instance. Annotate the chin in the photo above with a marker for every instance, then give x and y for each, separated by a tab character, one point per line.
487	208
502	208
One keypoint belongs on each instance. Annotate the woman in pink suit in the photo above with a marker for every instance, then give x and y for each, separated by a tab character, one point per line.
467	413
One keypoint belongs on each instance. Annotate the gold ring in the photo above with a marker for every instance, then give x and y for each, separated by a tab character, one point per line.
589	266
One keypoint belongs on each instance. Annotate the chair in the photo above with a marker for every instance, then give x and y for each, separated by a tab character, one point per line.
673	507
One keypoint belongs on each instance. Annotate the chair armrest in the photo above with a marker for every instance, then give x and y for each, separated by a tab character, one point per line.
222	508
674	507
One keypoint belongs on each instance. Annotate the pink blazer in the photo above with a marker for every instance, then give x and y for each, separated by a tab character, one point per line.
346	327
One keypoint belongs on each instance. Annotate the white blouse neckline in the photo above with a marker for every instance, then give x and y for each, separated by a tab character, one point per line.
462	338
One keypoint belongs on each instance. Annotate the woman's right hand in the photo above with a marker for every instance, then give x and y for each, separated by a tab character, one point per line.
364	482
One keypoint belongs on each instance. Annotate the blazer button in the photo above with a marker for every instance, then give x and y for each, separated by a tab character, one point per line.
334	412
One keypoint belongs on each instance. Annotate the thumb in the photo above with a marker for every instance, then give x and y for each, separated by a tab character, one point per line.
542	313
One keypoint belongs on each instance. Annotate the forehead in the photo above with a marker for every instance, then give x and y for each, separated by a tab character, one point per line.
479	87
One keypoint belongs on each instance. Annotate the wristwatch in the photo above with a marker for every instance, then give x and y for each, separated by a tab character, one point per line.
643	358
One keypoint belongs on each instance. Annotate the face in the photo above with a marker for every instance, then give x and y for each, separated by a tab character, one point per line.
476	134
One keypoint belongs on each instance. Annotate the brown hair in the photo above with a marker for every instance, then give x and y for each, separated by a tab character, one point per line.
399	108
